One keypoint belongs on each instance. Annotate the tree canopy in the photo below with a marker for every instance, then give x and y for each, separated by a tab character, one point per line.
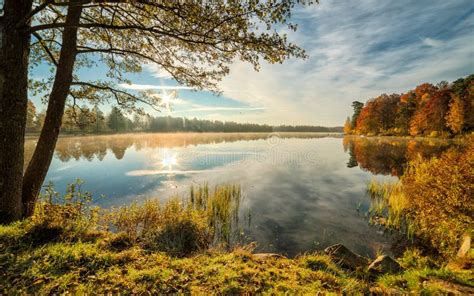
193	42
426	110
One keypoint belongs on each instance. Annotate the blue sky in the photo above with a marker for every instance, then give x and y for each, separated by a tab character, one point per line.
357	49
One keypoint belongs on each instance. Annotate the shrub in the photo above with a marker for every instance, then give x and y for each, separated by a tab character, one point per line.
63	217
432	200
440	192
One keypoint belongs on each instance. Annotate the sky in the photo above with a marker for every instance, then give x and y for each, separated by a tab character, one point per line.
357	50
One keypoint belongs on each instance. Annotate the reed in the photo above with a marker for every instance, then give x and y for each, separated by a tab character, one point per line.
183	225
390	203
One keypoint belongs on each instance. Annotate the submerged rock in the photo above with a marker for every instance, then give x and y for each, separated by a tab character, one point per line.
384	264
346	258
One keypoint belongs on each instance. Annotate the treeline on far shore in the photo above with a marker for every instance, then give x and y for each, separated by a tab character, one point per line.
86	120
445	109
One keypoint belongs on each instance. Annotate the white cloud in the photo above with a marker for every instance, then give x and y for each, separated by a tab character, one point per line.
149	87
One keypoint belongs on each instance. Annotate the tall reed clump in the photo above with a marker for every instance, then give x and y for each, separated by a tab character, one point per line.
433	199
171	227
221	208
180	226
390	203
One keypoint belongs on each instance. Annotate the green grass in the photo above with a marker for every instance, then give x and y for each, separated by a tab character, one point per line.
93	265
67	248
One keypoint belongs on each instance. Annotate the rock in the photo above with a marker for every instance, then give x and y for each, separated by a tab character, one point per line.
346	258
465	246
263	256
384	264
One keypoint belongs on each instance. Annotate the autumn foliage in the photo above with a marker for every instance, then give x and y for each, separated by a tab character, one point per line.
427	110
440	192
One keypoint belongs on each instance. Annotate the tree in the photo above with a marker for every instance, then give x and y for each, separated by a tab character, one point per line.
463	89
40	120
407	108
426	110
455	115
84	118
99	119
347	126
137	122
194	43
14	53
31	115
69	119
357	106
430	116
116	120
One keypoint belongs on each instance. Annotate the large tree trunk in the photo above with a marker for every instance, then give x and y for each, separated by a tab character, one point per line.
39	164
14	51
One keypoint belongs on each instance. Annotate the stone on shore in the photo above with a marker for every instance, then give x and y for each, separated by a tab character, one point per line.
346	258
384	264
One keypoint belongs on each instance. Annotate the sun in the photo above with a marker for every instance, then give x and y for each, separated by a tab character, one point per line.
166	99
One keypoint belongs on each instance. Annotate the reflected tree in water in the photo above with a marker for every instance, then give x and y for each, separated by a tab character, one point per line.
386	156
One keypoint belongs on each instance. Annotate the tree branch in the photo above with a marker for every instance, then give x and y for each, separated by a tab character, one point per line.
37	9
46	49
115	92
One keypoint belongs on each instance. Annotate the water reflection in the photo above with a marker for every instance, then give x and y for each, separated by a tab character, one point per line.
97	147
389	156
302	192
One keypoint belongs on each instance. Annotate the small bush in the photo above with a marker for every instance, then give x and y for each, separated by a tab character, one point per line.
63	217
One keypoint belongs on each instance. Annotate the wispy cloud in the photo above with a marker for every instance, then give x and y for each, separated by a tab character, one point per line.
358	49
213	108
431	42
150	87
379	47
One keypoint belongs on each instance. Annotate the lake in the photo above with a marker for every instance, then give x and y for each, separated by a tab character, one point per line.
302	191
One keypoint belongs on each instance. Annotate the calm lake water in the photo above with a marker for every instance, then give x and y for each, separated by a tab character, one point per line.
302	192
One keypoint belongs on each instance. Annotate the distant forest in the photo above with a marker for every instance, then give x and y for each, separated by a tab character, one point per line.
85	120
445	109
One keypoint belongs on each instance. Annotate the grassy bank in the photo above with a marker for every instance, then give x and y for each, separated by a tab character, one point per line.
184	245
97	262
